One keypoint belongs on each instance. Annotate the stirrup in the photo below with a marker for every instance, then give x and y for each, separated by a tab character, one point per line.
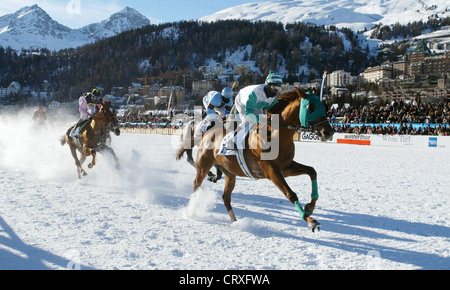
74	133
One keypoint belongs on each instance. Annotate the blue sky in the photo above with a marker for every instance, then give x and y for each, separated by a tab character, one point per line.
78	13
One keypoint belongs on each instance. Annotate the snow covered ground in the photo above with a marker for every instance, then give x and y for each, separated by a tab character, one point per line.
380	208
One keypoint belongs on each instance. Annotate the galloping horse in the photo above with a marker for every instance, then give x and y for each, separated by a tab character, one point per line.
297	111
94	138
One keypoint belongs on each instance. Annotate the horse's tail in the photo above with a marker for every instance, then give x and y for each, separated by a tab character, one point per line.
186	138
180	153
63	140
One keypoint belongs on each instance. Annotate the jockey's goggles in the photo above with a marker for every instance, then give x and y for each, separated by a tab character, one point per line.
276	88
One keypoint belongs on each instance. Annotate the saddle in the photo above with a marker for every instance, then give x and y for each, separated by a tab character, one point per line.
78	128
238	139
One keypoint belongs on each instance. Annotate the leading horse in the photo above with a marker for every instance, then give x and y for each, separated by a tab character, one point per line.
297	111
94	138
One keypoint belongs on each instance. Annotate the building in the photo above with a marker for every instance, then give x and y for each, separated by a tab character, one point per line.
134	88
118	91
205	70
242	69
438	65
3	92
178	94
378	73
340	78
400	69
201	88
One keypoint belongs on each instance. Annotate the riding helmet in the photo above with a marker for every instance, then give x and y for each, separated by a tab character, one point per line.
96	92
227	93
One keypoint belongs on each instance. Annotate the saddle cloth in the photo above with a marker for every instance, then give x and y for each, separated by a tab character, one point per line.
238	137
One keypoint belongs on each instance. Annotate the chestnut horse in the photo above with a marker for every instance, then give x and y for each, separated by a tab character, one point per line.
297	111
93	138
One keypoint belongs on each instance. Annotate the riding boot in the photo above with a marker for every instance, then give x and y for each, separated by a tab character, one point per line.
230	144
238	138
75	131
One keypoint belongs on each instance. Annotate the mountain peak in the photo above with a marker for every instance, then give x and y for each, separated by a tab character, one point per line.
32	27
124	20
129	10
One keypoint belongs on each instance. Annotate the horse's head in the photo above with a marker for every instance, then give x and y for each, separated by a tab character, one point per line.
305	111
313	116
109	114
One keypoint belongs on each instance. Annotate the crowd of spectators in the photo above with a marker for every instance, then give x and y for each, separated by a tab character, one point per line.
136	120
402	129
375	119
397	112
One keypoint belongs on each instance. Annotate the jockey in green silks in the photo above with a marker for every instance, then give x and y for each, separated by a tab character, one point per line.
250	103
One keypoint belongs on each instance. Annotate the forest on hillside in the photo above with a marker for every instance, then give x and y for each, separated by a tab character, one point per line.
178	49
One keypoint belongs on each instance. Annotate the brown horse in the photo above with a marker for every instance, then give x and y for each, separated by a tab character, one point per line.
291	107
93	138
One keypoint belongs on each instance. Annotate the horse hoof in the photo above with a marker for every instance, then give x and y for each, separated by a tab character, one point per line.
90	166
212	179
314	225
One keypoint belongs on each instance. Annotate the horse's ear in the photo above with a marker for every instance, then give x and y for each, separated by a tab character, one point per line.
300	93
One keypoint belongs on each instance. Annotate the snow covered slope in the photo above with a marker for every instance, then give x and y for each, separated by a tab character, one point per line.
379	209
354	14
32	27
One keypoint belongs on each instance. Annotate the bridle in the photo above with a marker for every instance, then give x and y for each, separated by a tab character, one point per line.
311	128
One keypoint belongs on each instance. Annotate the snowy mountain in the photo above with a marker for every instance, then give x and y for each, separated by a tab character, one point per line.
353	14
32	27
127	19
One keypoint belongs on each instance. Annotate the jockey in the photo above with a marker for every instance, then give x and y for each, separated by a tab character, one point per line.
87	108
217	106
40	116
250	103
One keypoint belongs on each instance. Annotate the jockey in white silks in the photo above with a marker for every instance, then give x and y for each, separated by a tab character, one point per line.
250	103
217	106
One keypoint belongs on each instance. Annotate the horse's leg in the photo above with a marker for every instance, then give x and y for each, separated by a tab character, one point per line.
296	169
211	176
94	154
230	182
190	159
215	177
205	160
116	160
78	163
274	174
113	154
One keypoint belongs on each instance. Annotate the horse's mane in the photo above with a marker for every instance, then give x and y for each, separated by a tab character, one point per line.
283	101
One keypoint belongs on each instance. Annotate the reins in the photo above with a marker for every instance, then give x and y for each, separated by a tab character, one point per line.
301	128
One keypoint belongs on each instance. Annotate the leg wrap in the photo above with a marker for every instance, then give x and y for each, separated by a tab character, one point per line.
315	190
299	207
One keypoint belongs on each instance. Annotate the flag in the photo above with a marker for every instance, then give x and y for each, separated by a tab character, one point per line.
324	83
